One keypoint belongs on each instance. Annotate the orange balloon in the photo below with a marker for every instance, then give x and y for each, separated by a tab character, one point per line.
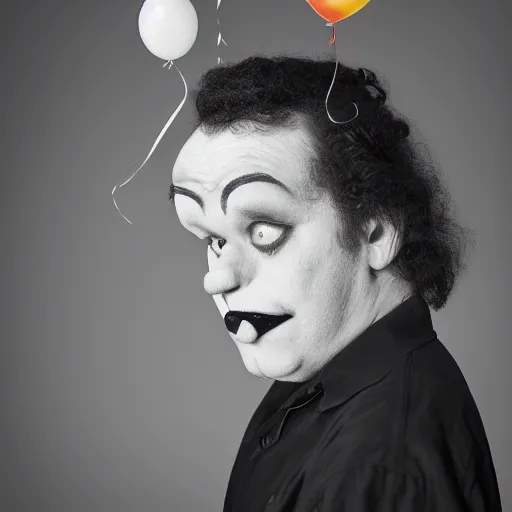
336	10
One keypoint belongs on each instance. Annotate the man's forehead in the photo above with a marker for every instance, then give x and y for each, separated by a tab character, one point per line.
210	160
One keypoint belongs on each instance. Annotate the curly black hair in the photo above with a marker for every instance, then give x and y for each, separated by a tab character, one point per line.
370	165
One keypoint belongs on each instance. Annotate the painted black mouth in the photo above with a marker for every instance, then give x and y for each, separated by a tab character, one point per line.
260	321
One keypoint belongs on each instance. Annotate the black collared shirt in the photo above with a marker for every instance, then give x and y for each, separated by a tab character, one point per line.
388	425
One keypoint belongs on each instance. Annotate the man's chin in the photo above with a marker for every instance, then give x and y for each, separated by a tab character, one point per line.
264	366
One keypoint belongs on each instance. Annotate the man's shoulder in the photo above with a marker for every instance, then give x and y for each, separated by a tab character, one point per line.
434	367
421	410
425	382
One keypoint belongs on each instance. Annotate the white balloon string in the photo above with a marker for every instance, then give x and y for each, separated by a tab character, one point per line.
159	138
220	39
333	42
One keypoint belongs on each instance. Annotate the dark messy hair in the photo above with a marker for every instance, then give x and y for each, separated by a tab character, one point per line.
370	165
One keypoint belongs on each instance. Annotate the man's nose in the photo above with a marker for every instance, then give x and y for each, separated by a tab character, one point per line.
224	272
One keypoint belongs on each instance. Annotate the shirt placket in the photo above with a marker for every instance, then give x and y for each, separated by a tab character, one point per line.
270	438
266	441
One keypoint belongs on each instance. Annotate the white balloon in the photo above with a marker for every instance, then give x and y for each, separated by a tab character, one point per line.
168	28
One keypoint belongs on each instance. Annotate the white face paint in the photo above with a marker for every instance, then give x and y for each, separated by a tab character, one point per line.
282	252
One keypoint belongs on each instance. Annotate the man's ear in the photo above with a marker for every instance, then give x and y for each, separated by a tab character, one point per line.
383	244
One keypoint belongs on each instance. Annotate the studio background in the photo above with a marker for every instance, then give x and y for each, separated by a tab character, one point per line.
120	389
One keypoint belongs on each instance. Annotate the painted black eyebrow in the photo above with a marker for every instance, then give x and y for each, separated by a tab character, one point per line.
185	192
230	187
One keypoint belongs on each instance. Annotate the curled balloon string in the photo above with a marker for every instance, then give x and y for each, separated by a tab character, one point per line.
220	39
158	139
333	37
333	42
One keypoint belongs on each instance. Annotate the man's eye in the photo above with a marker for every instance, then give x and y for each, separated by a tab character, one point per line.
267	237
216	244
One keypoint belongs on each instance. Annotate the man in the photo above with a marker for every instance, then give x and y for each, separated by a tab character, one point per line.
327	243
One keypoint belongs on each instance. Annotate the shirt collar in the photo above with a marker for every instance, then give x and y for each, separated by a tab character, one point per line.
374	352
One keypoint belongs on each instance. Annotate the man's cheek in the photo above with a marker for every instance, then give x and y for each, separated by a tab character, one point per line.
308	270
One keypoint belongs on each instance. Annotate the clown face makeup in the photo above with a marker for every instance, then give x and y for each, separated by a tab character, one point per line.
287	289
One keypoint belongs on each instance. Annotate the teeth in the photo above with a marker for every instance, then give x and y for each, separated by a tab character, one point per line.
246	333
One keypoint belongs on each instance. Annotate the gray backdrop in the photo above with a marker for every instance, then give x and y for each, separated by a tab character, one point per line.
120	388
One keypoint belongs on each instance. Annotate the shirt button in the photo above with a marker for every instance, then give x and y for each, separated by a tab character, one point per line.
266	441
